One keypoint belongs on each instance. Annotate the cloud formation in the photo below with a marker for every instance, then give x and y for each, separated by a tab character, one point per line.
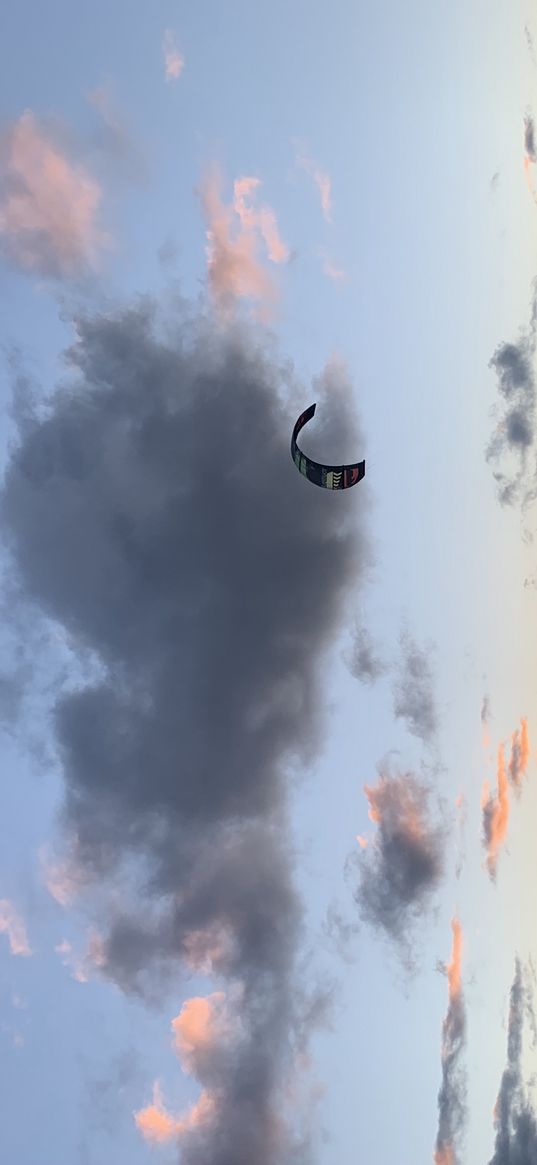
322	181
514	1117
530	157
155	513
510	450
496	807
413	691
364	661
174	61
12	925
452	1094
402	866
83	967
49	206
236	234
520	754
495	814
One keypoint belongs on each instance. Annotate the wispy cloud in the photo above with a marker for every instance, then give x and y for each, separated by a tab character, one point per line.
62	877
322	181
530	157
520	754
514	1116
496	806
174	61
413	692
12	925
83	967
452	1094
511	447
401	867
364	660
49	206
485	721
495	809
236	235
333	271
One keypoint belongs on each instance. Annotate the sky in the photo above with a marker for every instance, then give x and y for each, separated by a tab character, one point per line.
268	751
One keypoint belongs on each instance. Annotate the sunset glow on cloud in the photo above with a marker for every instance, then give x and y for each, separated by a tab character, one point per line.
48	206
12	925
173	59
159	1127
495	808
236	235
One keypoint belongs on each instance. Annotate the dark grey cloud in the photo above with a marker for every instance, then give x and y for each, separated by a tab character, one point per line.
516	1124
154	512
485	710
413	693
364	661
510	450
452	1093
403	864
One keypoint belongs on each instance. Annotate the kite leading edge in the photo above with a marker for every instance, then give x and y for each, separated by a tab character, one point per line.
327	476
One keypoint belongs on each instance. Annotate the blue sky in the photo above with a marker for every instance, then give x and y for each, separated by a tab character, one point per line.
416	119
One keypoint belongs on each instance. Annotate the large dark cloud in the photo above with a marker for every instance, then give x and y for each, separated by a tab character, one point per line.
403	864
511	447
414	700
154	512
516	1124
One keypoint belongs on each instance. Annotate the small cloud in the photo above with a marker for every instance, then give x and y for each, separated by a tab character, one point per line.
83	967
514	1115
158	1126
413	691
452	1094
62	877
322	181
48	205
235	235
174	61
364	661
333	271
520	754
510	447
403	864
11	924
495	815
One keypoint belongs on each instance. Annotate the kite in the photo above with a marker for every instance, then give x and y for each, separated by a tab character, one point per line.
327	476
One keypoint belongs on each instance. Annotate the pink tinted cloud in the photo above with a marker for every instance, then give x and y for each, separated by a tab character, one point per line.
158	1126
62	877
48	205
495	809
236	234
83	967
11	924
199	1029
333	271
174	61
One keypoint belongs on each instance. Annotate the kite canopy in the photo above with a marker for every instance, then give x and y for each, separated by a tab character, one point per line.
327	476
